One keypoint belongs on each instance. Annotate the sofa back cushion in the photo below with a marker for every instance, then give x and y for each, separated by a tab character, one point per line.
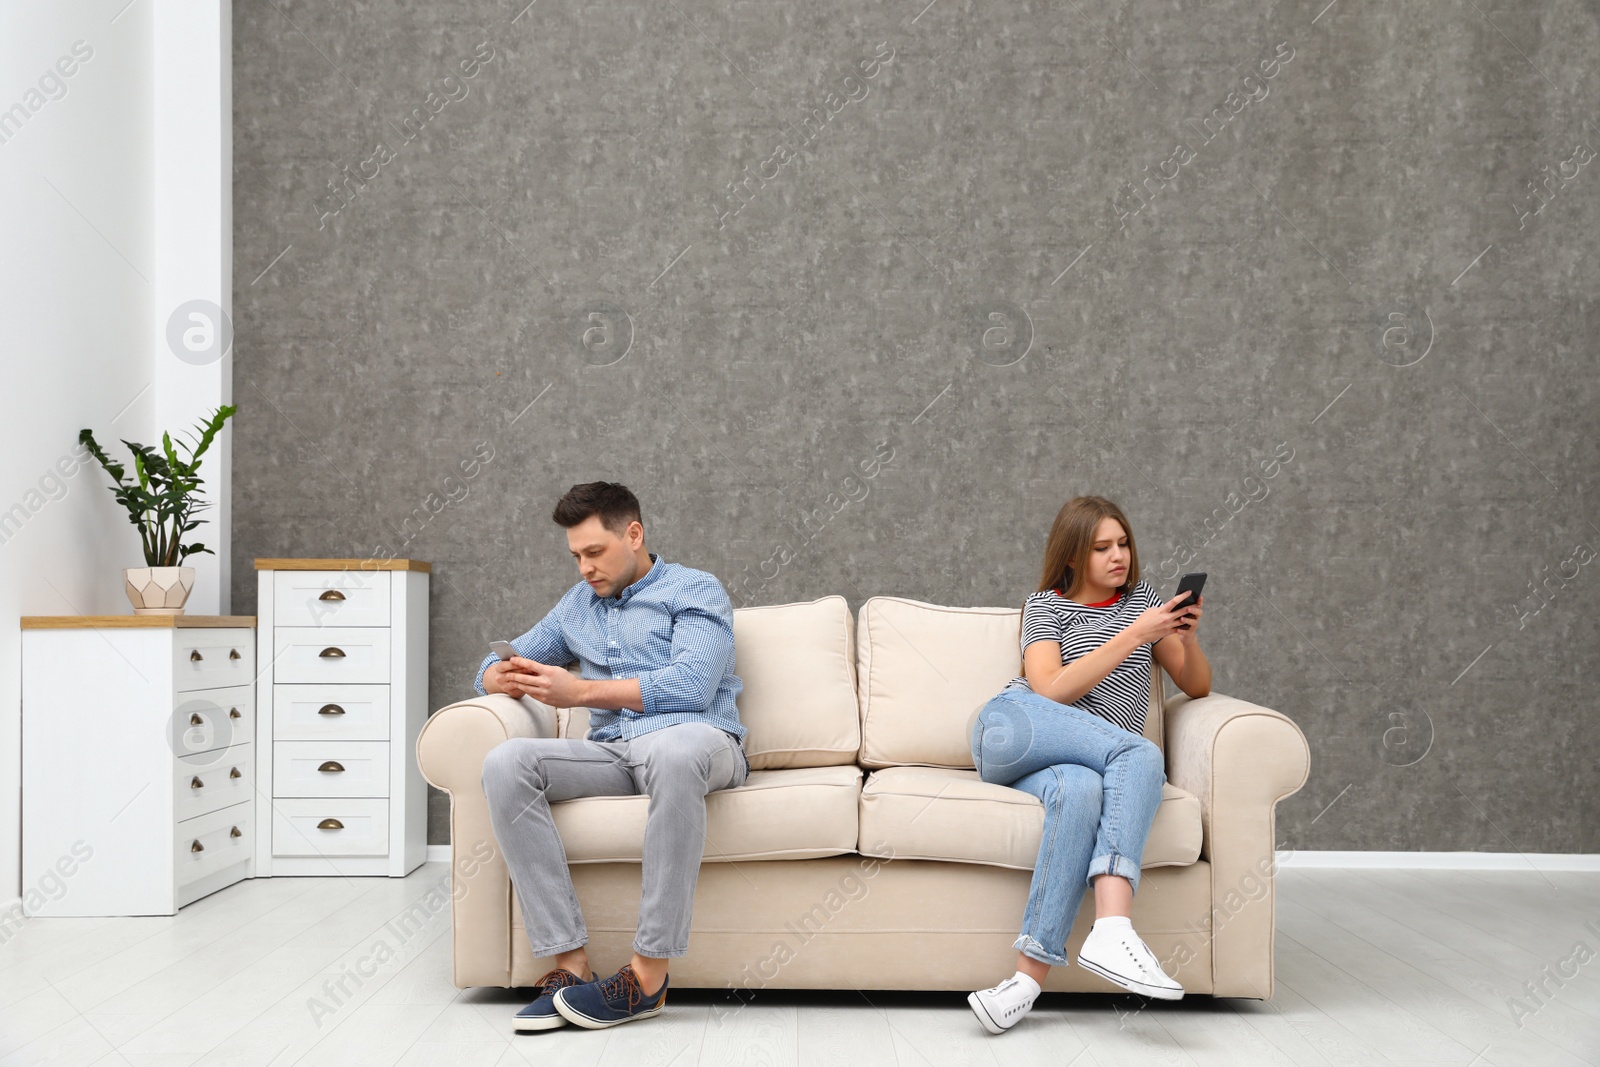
925	670
797	663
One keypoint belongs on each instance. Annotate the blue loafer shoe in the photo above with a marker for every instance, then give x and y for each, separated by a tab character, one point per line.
618	999
541	1014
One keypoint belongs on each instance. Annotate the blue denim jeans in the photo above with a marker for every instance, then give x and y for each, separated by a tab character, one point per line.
1100	785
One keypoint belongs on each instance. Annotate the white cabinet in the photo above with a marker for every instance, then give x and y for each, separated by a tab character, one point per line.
138	761
344	693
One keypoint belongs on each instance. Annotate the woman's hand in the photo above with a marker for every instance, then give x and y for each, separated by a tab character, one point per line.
1193	612
1155	623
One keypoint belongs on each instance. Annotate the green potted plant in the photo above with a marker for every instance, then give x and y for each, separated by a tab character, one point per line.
162	503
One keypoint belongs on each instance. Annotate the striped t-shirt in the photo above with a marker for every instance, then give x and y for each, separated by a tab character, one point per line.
1123	696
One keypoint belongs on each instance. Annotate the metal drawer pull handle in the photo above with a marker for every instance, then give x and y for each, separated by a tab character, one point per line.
332	653
197	846
331	765
235	832
234	773
196	783
233	653
195	656
195	719
330	709
233	713
331	594
330	824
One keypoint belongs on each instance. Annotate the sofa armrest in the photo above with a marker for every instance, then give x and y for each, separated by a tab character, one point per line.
454	740
450	751
1239	759
1232	754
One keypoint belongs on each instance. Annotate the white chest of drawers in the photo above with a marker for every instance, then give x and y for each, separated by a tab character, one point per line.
344	688
138	761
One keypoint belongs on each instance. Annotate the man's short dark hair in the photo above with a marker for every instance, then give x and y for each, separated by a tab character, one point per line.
612	501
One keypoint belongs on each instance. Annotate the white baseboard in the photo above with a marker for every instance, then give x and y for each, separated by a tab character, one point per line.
1442	861
1416	861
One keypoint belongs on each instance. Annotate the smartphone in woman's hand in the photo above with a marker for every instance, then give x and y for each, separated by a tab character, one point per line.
1191	583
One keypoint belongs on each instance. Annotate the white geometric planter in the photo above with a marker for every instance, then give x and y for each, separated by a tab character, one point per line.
158	590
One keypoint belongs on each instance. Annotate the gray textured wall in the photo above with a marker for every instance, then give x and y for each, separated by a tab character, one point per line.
1334	268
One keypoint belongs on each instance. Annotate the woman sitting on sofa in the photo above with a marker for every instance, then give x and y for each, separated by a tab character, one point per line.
1069	731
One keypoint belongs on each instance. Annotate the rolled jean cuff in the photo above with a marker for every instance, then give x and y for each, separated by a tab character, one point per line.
659	954
1111	863
1035	951
556	950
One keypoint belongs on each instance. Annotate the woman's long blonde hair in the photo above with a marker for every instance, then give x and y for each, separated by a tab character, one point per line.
1072	535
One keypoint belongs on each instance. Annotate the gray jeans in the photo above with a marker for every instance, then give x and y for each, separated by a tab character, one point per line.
675	765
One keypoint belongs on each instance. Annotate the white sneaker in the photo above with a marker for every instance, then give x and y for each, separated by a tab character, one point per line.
1119	955
1002	1007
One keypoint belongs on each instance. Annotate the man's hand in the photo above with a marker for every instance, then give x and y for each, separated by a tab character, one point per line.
520	677
514	677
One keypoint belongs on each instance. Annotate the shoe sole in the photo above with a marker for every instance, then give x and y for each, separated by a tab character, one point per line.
1130	984
983	1015
533	1025
578	1018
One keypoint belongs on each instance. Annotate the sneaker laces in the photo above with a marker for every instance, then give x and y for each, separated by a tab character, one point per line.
623	984
1139	952
556	980
1013	1008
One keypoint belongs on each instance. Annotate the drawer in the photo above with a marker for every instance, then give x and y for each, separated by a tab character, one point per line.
210	719
330	712
211	659
330	769
330	598
208	843
330	827
347	654
226	780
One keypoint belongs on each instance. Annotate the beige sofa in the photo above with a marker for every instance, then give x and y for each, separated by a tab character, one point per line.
863	851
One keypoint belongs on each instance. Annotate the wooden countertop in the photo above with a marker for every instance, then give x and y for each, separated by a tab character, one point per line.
343	565
132	622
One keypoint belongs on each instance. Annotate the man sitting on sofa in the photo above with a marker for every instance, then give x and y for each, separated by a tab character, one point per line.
655	642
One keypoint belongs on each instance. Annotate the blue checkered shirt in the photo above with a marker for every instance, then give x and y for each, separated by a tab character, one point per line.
671	629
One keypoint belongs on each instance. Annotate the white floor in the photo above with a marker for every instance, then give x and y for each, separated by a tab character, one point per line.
1374	967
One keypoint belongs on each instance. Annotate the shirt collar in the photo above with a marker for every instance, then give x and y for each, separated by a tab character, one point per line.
656	567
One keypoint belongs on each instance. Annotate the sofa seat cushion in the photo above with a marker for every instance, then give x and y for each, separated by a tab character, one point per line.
942	813
787	814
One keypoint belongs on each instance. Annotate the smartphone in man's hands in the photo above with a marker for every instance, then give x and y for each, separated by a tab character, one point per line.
1191	583
502	649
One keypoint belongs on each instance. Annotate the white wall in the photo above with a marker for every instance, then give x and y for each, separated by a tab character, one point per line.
85	284
193	209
